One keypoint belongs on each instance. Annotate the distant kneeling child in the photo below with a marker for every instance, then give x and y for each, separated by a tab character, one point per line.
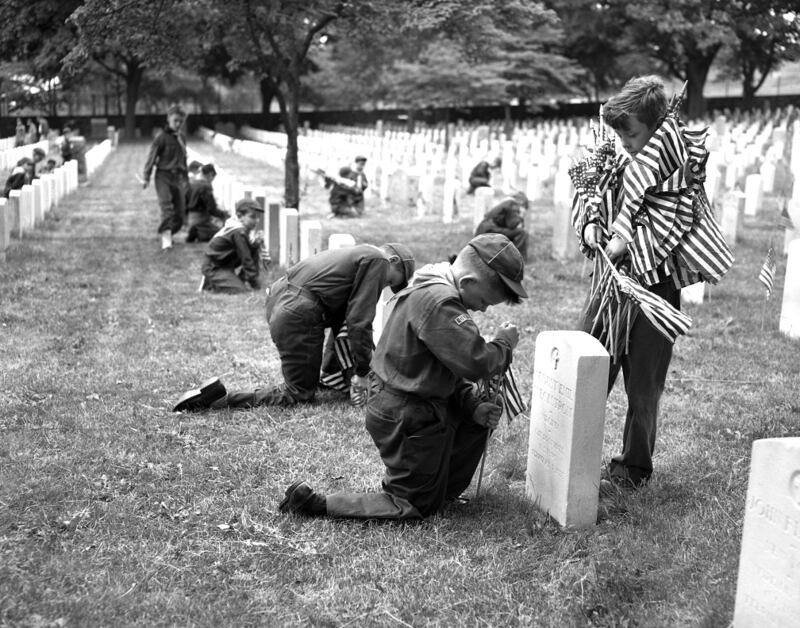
203	215
231	263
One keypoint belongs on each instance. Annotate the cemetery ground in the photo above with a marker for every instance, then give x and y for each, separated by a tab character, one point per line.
116	511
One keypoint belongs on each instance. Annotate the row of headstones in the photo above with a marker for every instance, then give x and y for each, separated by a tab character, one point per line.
570	378
25	209
287	238
11	155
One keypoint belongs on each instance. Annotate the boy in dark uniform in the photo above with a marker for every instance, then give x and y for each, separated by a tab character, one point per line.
429	426
322	292
231	257
481	174
347	190
201	207
168	156
508	218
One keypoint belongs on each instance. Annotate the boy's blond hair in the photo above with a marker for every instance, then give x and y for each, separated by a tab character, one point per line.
642	97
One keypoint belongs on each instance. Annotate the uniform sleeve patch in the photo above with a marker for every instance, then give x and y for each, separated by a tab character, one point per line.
461	319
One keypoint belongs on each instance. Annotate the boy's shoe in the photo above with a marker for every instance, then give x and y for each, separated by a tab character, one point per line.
301	499
201	398
166	240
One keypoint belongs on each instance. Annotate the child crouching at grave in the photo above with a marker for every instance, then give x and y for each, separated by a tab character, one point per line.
203	216
325	291
665	239
429	426
231	260
508	218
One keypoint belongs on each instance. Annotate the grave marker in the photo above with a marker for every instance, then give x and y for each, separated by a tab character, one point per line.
768	584
564	242
272	233
5	227
14	212
484	197
26	215
289	237
310	238
38	201
790	306
752	194
570	383
340	241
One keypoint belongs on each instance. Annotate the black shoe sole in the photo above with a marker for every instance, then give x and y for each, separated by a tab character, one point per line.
201	398
284	505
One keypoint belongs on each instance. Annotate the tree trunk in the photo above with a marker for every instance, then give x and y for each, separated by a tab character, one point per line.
267	90
748	89
290	118
698	63
133	79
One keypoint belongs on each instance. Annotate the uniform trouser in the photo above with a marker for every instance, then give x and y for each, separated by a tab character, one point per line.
297	326
347	206
225	280
171	193
202	227
430	453
644	371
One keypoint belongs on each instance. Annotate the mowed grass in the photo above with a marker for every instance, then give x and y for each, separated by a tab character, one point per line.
115	512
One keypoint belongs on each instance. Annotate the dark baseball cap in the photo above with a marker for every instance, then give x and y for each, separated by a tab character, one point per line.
500	254
406	256
247	205
360	158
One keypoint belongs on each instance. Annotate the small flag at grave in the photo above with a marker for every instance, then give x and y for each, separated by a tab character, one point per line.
785	220
767	274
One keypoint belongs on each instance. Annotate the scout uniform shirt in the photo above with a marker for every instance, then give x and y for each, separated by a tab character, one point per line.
431	344
168	152
230	248
348	283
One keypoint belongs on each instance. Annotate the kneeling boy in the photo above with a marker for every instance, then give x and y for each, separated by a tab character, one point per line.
424	417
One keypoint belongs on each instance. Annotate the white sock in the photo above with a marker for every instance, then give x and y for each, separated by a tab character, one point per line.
166	239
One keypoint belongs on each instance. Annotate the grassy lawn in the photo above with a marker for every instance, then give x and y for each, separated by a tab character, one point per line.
114	511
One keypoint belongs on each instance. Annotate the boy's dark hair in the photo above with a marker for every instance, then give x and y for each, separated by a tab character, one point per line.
208	169
246	206
176	109
194	166
40	152
641	97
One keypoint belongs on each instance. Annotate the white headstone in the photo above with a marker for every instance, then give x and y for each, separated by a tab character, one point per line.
310	238
752	194
38	201
767	177
289	237
26	209
5	226
484	198
768	584
565	242
790	306
340	241
570	385
729	217
449	199
14	213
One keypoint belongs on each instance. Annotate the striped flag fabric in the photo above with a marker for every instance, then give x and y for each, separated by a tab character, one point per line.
341	347
785	219
513	401
667	320
767	274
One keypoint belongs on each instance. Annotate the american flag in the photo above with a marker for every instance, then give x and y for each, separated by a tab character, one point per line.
767	274
344	357
667	320
785	220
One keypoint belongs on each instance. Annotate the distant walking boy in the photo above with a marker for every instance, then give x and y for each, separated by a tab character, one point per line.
424	417
168	156
661	259
325	291
231	261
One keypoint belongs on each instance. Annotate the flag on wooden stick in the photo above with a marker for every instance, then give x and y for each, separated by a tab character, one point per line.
767	274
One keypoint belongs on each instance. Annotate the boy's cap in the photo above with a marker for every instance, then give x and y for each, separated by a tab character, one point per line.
38	151
195	165
360	158
210	169
500	254
247	205
406	257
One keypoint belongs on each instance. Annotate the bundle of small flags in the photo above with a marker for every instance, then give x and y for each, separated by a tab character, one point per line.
767	274
344	357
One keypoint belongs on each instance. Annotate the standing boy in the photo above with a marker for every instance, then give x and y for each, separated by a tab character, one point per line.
201	206
231	261
659	259
325	291
424	417
168	156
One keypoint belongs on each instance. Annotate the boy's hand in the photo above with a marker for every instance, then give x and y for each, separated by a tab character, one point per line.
509	333
593	235
488	414
616	248
358	390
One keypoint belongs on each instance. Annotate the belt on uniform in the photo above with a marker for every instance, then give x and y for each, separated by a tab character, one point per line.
376	384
